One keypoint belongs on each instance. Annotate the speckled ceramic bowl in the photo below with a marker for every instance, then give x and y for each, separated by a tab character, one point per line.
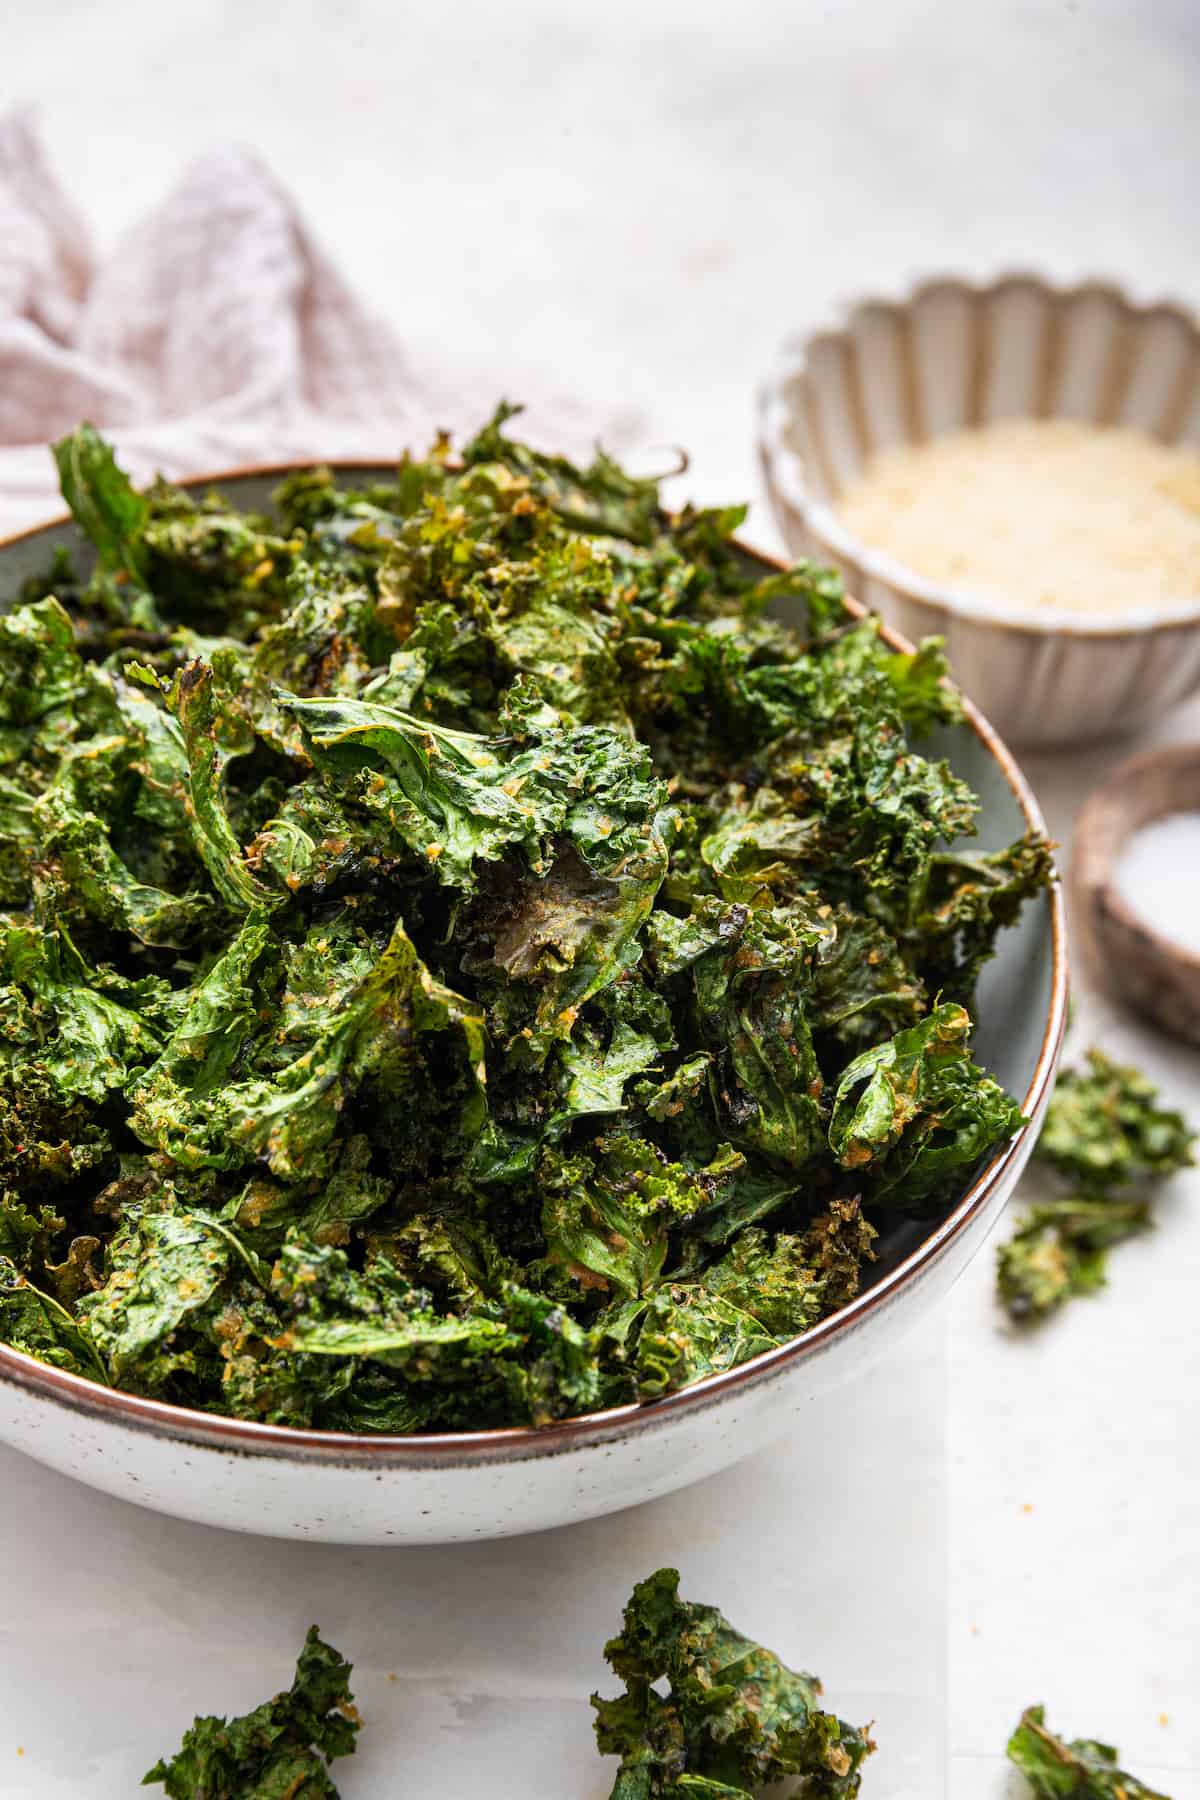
951	356
436	1489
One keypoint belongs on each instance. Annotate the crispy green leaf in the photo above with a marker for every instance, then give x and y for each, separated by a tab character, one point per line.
1079	1770
1107	1136
280	1751
758	1296
753	1002
40	667
968	901
163	1268
368	1038
1104	1127
605	1217
914	1111
194	701
602	499
87	1042
732	1717
33	1322
103	501
469	960
518	1348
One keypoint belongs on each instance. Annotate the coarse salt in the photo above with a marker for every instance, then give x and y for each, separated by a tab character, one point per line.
1158	876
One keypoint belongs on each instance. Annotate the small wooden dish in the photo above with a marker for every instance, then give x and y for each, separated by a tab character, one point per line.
1135	961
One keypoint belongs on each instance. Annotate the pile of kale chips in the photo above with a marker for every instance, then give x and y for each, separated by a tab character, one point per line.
464	962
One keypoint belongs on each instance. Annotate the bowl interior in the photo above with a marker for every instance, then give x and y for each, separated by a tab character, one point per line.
1022	991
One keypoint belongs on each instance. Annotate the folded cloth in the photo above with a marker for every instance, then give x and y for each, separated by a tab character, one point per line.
217	333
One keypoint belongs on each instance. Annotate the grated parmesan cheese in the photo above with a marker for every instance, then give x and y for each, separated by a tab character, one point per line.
1038	513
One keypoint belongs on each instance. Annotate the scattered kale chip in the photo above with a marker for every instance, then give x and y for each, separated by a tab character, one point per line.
706	1713
464	960
1105	1128
1079	1770
280	1751
732	1715
1108	1141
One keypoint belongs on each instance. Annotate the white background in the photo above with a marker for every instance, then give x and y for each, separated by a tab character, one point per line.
634	203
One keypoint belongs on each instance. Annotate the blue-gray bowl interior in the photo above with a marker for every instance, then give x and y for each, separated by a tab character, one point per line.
1016	990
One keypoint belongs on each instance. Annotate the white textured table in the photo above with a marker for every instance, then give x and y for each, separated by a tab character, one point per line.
641	202
473	1663
1074	1456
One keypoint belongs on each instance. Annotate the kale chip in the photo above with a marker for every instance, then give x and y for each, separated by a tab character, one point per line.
1079	1770
463	960
731	1718
281	1750
1109	1142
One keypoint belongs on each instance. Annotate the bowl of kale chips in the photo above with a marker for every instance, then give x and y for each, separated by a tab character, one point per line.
506	993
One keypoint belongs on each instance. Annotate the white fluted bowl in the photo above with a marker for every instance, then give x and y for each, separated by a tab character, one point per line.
952	356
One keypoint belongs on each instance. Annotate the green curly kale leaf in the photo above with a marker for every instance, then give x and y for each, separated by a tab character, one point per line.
281	1750
1109	1140
967	901
761	1293
1105	1128
36	1323
353	1029
1078	1770
104	501
914	1111
731	1716
465	959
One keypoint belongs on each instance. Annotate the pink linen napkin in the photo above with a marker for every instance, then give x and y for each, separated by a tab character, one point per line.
216	333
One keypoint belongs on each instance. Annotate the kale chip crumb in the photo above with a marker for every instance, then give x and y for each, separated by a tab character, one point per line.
1079	1770
475	947
732	1716
1109	1142
282	1748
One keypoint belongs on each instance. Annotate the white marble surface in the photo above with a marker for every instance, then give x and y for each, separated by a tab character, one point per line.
636	203
473	1663
1074	1455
